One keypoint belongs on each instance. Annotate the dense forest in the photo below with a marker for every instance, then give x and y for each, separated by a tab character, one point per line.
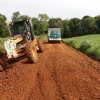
69	27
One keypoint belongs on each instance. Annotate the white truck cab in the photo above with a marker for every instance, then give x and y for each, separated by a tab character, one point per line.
54	35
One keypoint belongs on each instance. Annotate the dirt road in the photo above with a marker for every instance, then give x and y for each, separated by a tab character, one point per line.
61	73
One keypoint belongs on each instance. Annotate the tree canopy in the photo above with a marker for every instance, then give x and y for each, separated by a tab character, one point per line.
69	27
3	28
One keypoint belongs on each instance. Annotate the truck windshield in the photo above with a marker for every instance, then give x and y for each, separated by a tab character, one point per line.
55	32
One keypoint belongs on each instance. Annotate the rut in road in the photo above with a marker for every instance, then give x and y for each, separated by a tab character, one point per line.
61	73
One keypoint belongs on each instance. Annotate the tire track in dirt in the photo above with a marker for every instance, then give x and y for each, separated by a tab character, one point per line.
78	70
46	83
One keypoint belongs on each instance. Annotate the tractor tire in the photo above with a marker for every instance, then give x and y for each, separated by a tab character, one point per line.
40	45
31	52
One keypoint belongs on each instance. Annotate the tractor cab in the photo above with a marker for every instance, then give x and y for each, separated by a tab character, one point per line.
23	28
21	32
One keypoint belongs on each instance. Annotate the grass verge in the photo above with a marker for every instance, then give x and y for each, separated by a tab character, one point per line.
89	44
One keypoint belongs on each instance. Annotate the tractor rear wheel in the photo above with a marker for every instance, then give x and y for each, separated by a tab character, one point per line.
40	45
31	52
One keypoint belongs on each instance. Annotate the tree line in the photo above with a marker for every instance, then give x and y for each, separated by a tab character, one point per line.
69	27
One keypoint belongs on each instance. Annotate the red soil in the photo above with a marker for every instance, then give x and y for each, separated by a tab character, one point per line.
61	73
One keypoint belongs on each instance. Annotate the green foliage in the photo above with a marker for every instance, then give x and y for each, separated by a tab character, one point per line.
89	25
3	28
55	23
43	37
25	17
95	53
43	19
88	44
69	27
52	22
85	45
97	18
2	44
75	27
16	16
71	43
66	29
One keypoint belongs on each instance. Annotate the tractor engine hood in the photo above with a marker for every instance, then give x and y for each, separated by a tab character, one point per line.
11	46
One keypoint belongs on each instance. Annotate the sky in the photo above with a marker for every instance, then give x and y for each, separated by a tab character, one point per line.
64	9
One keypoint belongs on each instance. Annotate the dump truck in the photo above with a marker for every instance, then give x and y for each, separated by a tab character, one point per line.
22	41
54	35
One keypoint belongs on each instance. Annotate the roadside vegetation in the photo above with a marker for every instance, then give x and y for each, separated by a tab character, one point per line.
43	36
2	44
88	44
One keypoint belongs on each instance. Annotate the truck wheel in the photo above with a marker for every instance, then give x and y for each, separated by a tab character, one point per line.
40	45
31	52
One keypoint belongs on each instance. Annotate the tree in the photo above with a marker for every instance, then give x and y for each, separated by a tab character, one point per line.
52	22
58	23
37	26
66	31
3	28
24	17
43	18
89	25
97	18
16	16
75	27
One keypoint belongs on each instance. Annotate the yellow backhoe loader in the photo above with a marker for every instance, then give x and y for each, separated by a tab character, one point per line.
22	41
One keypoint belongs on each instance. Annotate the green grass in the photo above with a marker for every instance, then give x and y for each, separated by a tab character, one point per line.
2	44
44	37
88	44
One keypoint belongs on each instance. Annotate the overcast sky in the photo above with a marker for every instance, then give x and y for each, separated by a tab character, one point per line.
65	9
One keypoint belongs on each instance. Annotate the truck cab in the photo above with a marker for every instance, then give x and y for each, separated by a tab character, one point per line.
54	35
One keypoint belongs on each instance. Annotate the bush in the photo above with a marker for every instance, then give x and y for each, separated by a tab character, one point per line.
95	53
71	43
85	45
92	49
86	48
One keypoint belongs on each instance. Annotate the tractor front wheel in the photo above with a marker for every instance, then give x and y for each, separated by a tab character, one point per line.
31	52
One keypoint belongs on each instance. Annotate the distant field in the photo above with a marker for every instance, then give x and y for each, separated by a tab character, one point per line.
89	44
